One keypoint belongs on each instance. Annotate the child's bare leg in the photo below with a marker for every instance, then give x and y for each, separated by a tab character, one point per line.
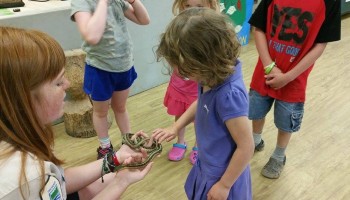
99	117
181	135
118	104
258	126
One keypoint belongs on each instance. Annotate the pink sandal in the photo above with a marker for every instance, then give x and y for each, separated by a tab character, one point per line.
194	155
177	152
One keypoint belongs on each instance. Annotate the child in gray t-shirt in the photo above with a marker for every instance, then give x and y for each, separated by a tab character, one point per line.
109	70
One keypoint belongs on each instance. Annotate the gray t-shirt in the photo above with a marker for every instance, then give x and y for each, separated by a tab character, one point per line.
114	51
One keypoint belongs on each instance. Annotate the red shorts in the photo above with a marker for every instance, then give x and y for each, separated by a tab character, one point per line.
177	102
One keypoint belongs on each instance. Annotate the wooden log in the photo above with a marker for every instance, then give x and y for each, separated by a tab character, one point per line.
78	118
75	66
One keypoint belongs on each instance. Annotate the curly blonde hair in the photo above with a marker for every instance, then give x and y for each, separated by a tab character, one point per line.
201	43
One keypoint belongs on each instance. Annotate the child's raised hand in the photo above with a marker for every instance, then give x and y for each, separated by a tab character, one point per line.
166	134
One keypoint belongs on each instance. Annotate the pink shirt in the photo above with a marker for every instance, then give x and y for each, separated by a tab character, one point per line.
186	87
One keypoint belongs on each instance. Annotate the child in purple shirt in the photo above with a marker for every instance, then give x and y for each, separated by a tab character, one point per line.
201	45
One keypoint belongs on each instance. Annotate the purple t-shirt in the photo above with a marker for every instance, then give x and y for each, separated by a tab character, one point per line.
215	143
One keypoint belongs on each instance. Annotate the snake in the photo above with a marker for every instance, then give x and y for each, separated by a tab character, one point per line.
136	144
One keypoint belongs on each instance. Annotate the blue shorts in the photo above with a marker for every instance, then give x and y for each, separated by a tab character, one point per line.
100	84
287	116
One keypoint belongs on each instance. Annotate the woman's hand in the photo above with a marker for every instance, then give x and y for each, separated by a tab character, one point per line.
127	155
117	183
130	176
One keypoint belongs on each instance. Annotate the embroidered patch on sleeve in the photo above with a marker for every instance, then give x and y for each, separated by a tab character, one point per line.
52	189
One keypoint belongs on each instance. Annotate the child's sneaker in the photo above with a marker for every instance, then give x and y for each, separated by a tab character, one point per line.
177	152
260	146
102	152
273	168
194	155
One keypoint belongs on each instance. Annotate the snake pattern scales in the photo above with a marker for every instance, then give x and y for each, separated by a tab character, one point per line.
136	144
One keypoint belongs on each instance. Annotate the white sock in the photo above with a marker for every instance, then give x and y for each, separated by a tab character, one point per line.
105	142
257	138
279	153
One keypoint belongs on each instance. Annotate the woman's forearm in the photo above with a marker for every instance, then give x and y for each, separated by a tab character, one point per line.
81	176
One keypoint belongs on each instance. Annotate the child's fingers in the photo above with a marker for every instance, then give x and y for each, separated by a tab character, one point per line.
169	138
139	134
157	135
157	131
165	137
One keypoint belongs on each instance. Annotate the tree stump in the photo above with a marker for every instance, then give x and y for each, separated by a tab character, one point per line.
74	72
78	107
78	118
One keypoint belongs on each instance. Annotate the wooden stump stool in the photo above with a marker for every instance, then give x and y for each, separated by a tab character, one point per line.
78	107
78	118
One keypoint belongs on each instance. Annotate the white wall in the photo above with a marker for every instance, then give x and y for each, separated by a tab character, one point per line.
145	38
